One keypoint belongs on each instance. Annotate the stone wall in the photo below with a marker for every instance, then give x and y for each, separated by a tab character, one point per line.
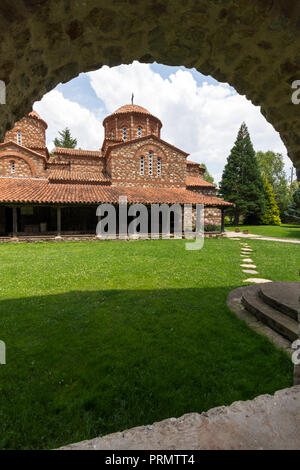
25	163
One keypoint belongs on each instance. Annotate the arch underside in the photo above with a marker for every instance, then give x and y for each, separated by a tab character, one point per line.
254	46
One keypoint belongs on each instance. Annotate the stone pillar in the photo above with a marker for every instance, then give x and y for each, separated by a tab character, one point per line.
58	214
297	366
15	222
223	220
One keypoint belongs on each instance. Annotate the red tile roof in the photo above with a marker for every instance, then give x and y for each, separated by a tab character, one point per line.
129	108
77	176
77	152
200	182
189	162
38	191
35	115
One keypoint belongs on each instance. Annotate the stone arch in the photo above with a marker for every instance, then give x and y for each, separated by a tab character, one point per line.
254	46
12	155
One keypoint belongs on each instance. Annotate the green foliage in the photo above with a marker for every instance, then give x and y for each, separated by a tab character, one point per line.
271	215
207	176
293	210
212	228
66	140
272	165
242	181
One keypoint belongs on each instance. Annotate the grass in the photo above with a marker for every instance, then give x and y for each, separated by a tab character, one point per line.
282	231
104	336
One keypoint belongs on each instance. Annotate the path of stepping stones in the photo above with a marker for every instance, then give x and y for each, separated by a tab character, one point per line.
248	265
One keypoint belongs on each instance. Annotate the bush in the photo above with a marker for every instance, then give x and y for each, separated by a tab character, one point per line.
212	228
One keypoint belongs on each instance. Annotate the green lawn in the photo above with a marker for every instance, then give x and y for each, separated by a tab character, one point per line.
103	336
282	231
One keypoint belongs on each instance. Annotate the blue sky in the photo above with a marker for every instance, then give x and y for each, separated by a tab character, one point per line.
199	115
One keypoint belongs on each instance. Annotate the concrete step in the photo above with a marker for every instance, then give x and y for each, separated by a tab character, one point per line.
268	315
284	298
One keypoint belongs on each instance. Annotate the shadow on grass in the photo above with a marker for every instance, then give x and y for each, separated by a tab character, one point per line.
84	364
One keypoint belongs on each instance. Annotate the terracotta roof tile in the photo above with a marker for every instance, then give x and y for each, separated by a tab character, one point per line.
26	190
77	176
197	181
35	115
77	152
129	108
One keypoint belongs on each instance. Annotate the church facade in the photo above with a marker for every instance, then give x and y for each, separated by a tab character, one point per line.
58	194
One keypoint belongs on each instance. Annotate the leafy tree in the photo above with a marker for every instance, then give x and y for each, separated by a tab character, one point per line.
242	182
272	165
66	140
207	176
271	215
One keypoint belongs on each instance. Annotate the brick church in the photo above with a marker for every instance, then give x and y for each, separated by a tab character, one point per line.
56	195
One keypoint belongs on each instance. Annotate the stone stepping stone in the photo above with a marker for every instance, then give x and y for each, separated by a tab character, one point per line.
246	249
257	280
238	239
249	271
247	260
248	266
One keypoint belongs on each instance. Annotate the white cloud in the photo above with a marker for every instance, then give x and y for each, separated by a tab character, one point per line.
60	113
202	119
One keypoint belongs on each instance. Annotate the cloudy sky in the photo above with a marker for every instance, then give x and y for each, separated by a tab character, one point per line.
199	115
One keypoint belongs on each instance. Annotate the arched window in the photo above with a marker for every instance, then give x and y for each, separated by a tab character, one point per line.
112	134
150	163
19	137
142	165
139	131
124	133
12	167
158	166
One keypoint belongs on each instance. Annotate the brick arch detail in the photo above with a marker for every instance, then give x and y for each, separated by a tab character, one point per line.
156	149
12	154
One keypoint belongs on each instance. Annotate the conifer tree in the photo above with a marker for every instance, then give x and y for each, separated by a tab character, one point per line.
271	215
242	182
66	140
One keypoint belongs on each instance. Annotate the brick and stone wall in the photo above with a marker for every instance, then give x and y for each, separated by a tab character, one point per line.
25	163
33	133
123	165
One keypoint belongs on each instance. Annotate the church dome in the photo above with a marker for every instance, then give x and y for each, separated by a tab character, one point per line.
130	122
131	108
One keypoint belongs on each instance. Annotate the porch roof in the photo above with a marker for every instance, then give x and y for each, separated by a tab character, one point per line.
42	191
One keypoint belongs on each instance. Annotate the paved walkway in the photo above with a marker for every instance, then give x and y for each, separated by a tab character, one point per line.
259	237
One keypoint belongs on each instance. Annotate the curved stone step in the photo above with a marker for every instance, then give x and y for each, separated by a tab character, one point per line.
284	297
278	321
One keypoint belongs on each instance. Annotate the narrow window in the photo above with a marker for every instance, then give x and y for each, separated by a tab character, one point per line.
142	166
112	134
19	138
12	167
139	131
159	166
150	163
124	133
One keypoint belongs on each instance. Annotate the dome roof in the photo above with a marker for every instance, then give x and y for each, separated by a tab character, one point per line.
129	108
33	114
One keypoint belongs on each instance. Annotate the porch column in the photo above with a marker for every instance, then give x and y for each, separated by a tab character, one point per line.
223	221
58	213
15	222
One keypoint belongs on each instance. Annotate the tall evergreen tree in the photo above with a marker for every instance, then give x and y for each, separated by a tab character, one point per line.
242	182
66	140
271	215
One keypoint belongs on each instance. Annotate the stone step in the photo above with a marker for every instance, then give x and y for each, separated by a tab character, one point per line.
284	298
276	320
